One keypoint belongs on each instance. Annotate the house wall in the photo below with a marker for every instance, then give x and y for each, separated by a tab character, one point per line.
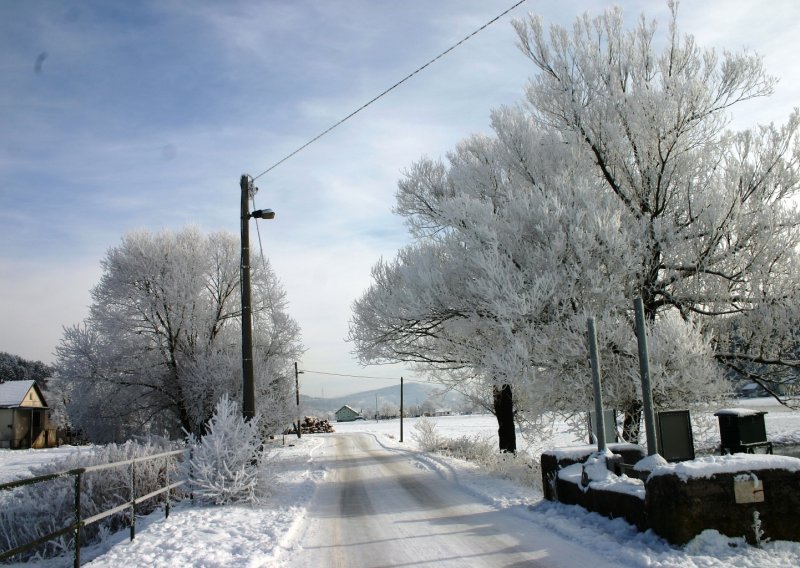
19	435
346	415
6	430
32	400
22	428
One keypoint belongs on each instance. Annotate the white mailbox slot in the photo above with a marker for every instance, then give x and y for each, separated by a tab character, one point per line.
748	488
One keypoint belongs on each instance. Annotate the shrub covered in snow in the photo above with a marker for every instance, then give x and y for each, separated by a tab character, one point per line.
481	450
226	465
426	435
519	467
32	511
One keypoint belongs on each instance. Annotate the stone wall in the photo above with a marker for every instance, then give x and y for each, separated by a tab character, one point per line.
557	459
723	493
611	504
679	510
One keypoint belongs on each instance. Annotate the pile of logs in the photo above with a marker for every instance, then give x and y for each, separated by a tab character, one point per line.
312	425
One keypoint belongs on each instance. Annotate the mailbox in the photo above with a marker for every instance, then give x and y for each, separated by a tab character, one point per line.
742	430
674	435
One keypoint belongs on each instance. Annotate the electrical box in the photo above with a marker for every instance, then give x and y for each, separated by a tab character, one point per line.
742	430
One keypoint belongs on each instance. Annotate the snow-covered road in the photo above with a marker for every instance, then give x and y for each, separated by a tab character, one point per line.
379	507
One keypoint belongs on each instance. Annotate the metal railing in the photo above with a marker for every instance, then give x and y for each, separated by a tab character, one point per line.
80	522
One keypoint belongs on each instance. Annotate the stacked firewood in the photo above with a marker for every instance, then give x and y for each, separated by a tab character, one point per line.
312	425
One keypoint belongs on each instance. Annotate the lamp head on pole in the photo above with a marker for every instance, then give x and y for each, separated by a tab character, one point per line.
263	214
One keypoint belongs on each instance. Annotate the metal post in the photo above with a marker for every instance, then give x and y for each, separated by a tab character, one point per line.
133	501
598	394
297	393
644	369
166	484
248	385
77	560
401	409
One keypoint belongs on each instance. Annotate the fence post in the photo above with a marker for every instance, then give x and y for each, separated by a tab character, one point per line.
166	484
133	500
77	562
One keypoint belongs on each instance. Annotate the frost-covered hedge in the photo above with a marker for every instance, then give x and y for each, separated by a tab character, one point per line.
518	467
29	512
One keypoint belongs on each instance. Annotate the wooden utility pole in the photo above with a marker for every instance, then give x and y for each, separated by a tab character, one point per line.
297	393
401	409
248	384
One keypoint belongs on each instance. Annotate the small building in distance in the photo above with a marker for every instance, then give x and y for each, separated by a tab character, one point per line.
347	414
23	416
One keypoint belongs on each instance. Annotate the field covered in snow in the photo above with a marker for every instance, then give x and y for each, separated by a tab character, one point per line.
782	423
267	535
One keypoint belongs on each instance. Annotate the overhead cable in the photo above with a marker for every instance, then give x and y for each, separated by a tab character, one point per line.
387	91
360	376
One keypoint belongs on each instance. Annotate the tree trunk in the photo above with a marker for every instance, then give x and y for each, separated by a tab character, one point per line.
632	422
504	412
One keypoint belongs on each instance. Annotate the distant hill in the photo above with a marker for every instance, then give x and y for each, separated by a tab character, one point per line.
414	394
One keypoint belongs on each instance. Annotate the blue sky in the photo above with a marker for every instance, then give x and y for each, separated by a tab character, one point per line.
118	116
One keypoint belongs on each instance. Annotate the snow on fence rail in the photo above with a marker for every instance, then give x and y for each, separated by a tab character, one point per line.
79	522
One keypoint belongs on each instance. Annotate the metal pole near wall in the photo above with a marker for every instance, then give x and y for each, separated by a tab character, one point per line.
598	394
644	369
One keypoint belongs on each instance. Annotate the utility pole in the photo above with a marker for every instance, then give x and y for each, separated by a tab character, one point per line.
401	410
248	384
297	393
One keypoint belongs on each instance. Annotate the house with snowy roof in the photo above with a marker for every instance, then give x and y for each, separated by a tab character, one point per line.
23	416
347	414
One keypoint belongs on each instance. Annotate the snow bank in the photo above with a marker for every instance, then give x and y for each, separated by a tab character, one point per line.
650	463
741	412
707	466
594	474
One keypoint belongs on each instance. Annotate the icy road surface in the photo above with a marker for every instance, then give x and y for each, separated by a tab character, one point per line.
378	508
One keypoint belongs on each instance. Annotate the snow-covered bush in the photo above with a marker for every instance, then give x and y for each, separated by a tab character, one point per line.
32	511
226	465
426	435
519	467
481	450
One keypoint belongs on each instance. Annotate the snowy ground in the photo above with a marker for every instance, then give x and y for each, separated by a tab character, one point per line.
267	535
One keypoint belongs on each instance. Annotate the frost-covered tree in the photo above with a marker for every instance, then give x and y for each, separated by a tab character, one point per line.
617	179
508	238
162	342
707	212
228	463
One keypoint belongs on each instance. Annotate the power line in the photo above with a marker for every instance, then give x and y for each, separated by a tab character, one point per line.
387	91
360	376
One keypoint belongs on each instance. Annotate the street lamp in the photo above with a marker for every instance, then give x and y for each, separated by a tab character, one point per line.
263	214
248	384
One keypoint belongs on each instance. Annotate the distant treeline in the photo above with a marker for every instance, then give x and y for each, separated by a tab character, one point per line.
15	368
